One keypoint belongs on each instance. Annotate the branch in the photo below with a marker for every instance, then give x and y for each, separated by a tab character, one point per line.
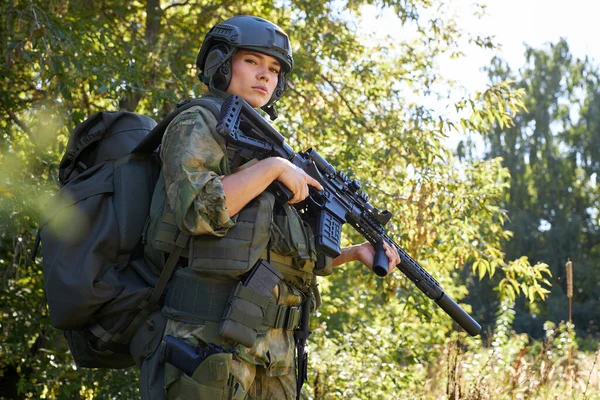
176	4
312	109
20	123
86	100
341	96
153	19
359	117
293	89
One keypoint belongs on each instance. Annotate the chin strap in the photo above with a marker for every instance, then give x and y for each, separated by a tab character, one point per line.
271	112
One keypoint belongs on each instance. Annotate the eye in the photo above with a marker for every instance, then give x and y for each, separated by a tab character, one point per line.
251	61
274	70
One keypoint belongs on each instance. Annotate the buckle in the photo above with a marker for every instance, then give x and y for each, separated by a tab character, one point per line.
287	317
182	239
238	391
280	317
293	318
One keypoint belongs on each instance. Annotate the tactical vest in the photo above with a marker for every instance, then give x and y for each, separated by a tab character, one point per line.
263	229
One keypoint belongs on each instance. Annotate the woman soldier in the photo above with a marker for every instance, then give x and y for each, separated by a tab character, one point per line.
232	222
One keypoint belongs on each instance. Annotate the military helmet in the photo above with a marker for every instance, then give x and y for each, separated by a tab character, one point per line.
247	32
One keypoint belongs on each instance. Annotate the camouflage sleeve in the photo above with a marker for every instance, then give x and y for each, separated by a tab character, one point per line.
193	163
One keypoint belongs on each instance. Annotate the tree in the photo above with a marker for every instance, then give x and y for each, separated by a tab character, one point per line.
359	104
553	158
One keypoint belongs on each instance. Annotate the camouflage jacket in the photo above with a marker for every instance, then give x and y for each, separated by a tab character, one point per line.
194	161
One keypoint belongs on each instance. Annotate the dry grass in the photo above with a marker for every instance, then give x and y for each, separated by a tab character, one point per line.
516	370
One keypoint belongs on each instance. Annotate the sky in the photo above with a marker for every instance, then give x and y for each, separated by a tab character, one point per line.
513	23
534	22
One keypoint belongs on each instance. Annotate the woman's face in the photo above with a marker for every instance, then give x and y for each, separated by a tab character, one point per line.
254	76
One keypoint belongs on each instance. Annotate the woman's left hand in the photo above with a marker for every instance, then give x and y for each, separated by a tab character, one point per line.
365	253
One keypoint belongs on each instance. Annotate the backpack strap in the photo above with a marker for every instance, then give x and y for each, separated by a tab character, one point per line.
153	139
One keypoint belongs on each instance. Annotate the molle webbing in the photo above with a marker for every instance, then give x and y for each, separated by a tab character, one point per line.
229	256
244	231
194	300
197	299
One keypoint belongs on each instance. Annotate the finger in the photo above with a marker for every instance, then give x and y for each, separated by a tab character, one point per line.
392	254
304	193
397	256
296	198
389	251
392	251
392	265
313	182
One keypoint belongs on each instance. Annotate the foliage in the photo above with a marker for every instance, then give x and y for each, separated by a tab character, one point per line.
359	104
551	151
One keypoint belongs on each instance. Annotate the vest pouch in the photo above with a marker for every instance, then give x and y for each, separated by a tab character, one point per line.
289	234
293	237
212	380
324	265
280	238
239	250
246	308
243	317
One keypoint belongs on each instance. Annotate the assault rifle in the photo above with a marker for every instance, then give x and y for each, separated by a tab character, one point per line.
250	136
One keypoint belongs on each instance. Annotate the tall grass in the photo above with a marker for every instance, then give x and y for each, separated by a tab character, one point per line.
515	367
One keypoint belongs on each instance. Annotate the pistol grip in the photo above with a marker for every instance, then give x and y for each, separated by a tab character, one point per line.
281	192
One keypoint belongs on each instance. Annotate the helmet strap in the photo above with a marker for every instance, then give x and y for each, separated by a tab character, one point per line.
218	93
271	112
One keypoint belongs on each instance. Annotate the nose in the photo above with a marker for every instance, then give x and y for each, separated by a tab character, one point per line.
263	74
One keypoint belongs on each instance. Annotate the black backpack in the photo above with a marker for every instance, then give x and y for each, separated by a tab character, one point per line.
98	287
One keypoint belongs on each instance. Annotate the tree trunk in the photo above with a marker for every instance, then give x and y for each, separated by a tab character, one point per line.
154	16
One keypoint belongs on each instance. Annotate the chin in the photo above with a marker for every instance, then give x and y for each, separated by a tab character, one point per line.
257	103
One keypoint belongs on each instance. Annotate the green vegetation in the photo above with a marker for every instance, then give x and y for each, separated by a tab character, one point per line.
553	155
474	224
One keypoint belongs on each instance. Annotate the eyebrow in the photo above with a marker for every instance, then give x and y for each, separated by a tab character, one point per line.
261	56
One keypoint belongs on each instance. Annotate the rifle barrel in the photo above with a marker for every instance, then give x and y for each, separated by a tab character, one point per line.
428	285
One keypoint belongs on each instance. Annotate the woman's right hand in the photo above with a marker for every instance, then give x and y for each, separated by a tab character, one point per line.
295	179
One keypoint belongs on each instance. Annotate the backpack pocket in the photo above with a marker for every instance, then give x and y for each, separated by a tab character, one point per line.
80	245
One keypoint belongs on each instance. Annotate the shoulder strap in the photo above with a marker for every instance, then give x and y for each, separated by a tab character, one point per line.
153	139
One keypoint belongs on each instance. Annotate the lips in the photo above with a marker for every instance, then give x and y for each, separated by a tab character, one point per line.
261	89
